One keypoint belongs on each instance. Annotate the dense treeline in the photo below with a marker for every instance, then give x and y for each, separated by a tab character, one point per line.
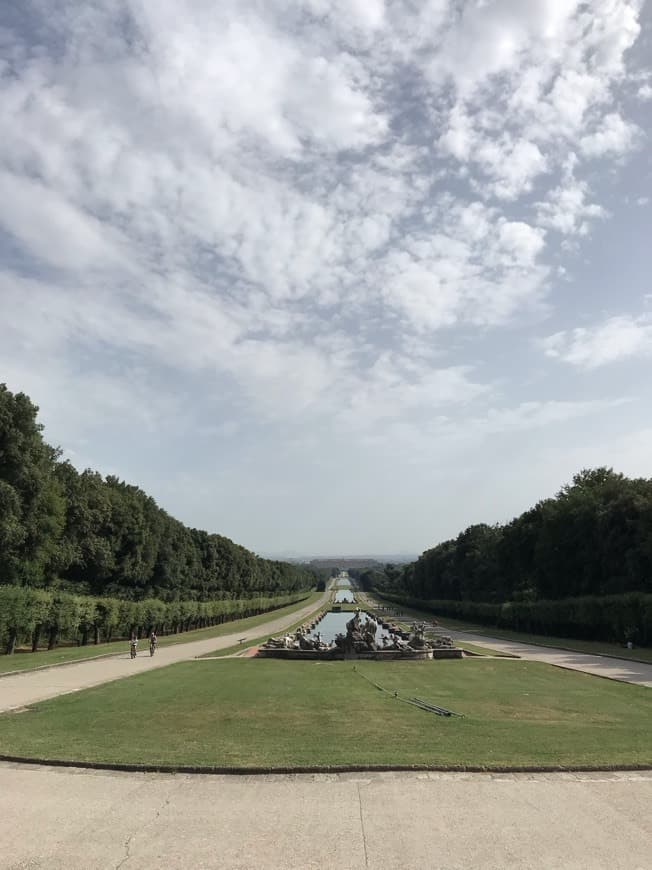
85	534
569	565
618	618
43	617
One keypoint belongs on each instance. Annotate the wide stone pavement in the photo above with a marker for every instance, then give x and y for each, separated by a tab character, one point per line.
81	820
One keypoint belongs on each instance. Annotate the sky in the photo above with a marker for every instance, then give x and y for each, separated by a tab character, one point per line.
331	276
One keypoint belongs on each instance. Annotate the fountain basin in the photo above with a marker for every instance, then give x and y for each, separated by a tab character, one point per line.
380	655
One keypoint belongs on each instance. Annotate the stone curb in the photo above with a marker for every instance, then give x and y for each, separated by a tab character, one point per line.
337	768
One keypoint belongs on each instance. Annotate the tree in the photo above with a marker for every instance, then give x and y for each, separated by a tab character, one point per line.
31	502
594	538
81	533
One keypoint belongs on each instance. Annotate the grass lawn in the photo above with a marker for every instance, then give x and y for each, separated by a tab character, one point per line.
248	712
596	647
24	661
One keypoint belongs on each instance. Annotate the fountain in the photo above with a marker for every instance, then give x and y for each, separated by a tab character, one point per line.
360	641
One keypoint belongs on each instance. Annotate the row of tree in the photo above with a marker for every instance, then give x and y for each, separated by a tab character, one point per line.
591	543
87	534
593	538
617	618
43	617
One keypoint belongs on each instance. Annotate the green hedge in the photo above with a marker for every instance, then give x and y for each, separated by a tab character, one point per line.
616	618
40	616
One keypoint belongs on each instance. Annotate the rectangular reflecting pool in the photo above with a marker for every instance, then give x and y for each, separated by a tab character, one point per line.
344	595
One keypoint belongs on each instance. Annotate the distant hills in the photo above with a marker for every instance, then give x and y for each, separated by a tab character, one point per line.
355	562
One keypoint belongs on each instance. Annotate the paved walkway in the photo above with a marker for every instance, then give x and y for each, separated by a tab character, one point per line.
28	687
88	820
602	666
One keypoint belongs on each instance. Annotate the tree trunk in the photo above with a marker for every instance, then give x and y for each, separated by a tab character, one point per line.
36	636
53	637
11	642
96	639
84	637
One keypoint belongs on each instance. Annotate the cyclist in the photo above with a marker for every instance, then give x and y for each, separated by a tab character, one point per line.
133	644
153	640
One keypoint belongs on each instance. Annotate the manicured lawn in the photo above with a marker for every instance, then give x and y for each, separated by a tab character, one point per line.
24	661
248	712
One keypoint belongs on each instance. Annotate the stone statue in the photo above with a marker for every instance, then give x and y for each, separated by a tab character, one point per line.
306	643
417	638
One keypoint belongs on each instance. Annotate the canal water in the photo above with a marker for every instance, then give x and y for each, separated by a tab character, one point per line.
335	623
343	596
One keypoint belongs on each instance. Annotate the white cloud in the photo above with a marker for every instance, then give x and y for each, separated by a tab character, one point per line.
509	166
530	415
613	135
491	39
566	208
232	190
54	230
477	267
548	70
366	15
616	339
456	436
